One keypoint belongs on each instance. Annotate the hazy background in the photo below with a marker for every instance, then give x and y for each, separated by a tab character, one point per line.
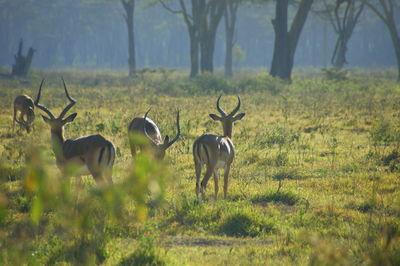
92	35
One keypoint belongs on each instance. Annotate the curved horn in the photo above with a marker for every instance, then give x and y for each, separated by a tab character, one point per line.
144	127
72	101
44	108
219	108
236	108
178	134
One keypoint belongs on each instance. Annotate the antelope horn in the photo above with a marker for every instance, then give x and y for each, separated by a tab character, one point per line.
72	101
219	108
144	127
44	108
178	134
236	108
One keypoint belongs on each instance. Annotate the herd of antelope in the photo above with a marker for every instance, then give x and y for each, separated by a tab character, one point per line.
95	155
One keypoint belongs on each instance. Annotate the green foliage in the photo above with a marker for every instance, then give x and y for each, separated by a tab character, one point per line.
189	212
238	54
314	180
244	222
382	132
279	136
260	82
146	254
288	198
208	82
336	74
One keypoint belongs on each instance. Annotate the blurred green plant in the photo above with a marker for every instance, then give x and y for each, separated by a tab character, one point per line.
79	218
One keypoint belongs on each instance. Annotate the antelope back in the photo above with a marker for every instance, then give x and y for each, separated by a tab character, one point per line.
138	123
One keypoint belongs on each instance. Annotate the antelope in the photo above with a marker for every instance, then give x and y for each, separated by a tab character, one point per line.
24	107
150	130
215	151
92	154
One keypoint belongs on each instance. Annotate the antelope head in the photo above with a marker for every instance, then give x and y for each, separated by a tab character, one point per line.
160	148
56	123
227	120
27	125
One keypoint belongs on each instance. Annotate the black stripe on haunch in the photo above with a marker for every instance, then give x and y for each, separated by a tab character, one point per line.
101	154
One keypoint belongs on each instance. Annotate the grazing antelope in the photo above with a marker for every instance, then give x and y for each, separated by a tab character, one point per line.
24	107
215	151
151	131
91	154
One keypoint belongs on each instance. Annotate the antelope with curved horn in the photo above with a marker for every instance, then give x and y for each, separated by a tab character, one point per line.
215	151
24	107
151	131
91	154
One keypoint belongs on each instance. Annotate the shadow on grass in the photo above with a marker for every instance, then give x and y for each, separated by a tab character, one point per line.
288	198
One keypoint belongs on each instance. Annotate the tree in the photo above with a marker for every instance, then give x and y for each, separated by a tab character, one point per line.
22	63
286	41
231	8
129	7
343	24
385	10
202	24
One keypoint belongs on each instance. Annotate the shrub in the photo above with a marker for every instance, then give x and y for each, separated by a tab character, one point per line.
146	254
244	222
208	82
189	211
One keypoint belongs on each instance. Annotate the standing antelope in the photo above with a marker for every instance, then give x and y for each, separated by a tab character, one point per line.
215	151
23	104
151	131
90	155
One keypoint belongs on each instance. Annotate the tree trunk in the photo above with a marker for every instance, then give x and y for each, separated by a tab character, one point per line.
129	7
207	53
210	15
22	63
281	44
230	22
194	53
339	57
396	43
344	28
286	42
229	54
387	16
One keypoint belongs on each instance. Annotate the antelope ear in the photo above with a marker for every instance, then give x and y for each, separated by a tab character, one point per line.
166	139
239	117
70	118
215	117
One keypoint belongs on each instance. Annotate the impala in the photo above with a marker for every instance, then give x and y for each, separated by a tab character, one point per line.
215	151
90	155
151	131
24	107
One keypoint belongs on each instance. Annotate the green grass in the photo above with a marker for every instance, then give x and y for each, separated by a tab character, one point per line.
315	179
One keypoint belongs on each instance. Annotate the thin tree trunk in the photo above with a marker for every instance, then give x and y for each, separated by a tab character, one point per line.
229	55
387	16
230	22
129	7
396	43
344	27
22	63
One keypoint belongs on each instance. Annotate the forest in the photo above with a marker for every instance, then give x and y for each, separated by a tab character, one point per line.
200	132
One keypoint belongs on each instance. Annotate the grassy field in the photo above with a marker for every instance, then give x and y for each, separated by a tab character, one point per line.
315	179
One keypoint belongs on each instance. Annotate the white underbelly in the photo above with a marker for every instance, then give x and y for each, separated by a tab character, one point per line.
220	164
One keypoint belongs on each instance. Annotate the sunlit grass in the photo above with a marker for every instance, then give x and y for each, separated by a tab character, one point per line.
316	170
